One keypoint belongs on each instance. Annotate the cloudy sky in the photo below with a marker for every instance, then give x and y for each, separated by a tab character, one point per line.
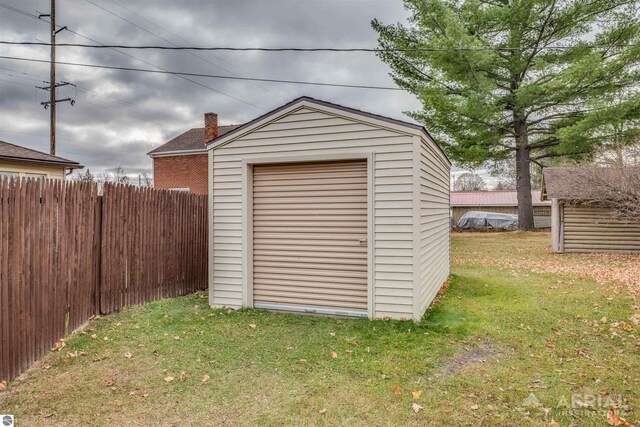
119	115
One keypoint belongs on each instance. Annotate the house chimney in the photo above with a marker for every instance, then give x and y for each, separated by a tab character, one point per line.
210	126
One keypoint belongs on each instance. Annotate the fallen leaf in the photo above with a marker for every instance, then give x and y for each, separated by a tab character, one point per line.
416	394
110	383
3	385
145	395
334	354
396	389
614	420
177	338
59	345
94	336
128	355
303	361
252	325
416	408
474	407
106	338
169	378
323	411
553	423
349	351
183	376
333	334
289	347
205	378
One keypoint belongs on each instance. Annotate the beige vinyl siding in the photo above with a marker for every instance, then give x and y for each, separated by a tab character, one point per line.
24	169
309	235
434	225
592	229
303	132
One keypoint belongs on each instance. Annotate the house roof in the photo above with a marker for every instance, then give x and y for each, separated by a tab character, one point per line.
18	153
239	129
492	198
193	139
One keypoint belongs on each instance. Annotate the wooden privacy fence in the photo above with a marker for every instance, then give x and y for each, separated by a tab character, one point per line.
67	253
154	245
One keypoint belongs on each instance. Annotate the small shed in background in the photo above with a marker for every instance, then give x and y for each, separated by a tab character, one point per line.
499	201
320	208
578	226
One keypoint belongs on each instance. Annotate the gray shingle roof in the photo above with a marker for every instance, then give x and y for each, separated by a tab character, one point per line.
193	139
10	151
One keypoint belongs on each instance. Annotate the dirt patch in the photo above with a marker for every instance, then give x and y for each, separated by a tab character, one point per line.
469	357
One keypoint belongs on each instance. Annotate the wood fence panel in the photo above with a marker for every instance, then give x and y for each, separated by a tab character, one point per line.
67	253
160	242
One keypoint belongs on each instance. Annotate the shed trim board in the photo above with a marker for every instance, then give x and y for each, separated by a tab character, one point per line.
408	248
248	165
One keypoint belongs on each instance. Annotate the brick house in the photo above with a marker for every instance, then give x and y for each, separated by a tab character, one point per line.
181	163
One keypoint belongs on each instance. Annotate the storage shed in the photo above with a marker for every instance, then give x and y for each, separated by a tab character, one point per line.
320	208
581	226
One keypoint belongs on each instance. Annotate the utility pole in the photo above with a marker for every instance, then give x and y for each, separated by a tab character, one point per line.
52	80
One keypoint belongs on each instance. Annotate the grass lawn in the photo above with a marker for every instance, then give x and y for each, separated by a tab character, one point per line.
501	333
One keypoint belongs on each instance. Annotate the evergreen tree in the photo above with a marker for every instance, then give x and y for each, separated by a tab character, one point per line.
518	80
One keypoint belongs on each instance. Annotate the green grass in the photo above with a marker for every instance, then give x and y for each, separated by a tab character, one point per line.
498	335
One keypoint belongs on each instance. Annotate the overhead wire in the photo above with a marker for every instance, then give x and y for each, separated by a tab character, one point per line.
133	57
214	76
194	54
321	49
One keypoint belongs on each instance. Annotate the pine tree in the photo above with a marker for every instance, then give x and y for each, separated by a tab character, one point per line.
518	80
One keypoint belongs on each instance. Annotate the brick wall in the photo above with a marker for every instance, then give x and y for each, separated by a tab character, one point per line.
181	172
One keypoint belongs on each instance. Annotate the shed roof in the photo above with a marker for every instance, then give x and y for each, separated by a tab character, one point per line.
492	198
18	153
569	182
193	139
220	140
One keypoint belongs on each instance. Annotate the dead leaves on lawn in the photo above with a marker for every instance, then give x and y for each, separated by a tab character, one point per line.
614	419
3	385
59	345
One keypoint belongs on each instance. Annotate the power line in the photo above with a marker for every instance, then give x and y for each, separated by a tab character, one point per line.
202	58
22	12
213	76
92	92
321	49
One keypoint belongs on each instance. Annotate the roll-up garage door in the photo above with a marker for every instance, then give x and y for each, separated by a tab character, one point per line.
310	237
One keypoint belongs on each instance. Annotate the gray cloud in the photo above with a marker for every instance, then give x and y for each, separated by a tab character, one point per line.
119	116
